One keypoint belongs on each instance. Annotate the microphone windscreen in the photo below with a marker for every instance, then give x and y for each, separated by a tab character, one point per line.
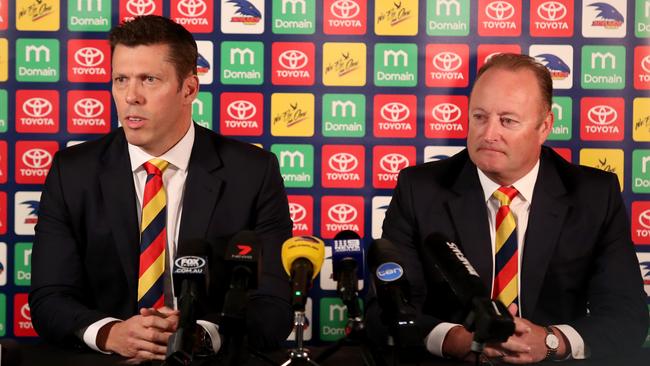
347	246
308	247
454	267
243	251
196	247
191	263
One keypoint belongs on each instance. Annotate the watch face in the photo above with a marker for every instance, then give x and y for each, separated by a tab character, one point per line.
552	342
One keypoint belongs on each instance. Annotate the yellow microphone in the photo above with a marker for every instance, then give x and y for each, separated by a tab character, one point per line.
302	258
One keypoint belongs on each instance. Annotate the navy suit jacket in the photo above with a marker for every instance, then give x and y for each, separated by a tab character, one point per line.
86	248
578	267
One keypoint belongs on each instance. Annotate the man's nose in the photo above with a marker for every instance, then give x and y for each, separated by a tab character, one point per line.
492	129
133	94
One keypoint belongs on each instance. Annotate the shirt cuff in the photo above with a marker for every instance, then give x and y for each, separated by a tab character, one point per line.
90	335
213	331
436	338
579	350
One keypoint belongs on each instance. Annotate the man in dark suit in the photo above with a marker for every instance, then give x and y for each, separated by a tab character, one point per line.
87	263
573	277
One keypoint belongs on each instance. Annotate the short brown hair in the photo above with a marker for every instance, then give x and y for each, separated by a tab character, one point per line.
514	62
153	29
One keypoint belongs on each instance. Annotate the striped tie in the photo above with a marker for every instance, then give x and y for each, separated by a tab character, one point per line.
507	253
153	237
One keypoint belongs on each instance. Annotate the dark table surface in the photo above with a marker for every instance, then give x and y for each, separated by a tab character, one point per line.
47	355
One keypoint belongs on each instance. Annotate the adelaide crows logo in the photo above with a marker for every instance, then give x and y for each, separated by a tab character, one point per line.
202	65
608	17
32	216
246	12
559	69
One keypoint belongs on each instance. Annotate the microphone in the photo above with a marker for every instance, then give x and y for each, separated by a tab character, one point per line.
191	280
302	258
242	268
393	293
488	319
347	265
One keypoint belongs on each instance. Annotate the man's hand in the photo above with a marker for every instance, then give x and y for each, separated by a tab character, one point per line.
142	337
527	345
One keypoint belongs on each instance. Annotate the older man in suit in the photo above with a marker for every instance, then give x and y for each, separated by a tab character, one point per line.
115	211
550	239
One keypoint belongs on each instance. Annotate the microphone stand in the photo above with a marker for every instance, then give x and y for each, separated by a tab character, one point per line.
355	336
299	355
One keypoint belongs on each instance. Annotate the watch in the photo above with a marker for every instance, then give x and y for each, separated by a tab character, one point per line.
552	343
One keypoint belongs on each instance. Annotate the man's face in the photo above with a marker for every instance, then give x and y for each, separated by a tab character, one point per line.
151	106
507	124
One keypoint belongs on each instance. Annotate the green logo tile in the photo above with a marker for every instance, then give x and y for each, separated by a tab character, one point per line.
448	17
603	67
294	16
202	110
242	63
23	264
344	115
89	15
37	60
396	64
562	126
296	164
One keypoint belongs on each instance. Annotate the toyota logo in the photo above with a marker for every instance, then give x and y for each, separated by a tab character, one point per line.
88	107
393	163
345	9
551	11
37	107
343	162
297	212
37	158
499	10
192	8
140	7
394	112
89	56
446	112
645	64
25	312
644	219
241	110
447	61
342	213
293	59
602	115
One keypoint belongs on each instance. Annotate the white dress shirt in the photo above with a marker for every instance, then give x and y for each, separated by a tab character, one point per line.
174	183
520	208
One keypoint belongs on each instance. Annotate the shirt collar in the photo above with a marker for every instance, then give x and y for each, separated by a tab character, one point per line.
525	185
178	155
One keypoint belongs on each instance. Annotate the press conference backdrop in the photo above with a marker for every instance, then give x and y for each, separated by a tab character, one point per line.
345	93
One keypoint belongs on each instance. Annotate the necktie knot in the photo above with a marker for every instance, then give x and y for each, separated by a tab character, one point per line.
505	195
155	166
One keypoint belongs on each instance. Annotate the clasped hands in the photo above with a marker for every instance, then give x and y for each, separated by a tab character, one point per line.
526	345
142	337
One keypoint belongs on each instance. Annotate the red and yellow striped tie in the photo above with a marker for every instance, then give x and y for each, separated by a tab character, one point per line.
153	237
506	261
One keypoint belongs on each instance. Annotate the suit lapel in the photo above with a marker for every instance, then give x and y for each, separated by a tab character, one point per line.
202	187
469	215
118	193
547	213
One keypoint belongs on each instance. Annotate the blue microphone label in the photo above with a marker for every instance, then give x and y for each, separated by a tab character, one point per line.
389	271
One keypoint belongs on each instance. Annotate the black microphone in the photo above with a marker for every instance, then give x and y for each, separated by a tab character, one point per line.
191	280
347	266
393	293
242	262
488	319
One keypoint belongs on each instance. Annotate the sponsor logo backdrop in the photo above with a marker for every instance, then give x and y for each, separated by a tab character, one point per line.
345	93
